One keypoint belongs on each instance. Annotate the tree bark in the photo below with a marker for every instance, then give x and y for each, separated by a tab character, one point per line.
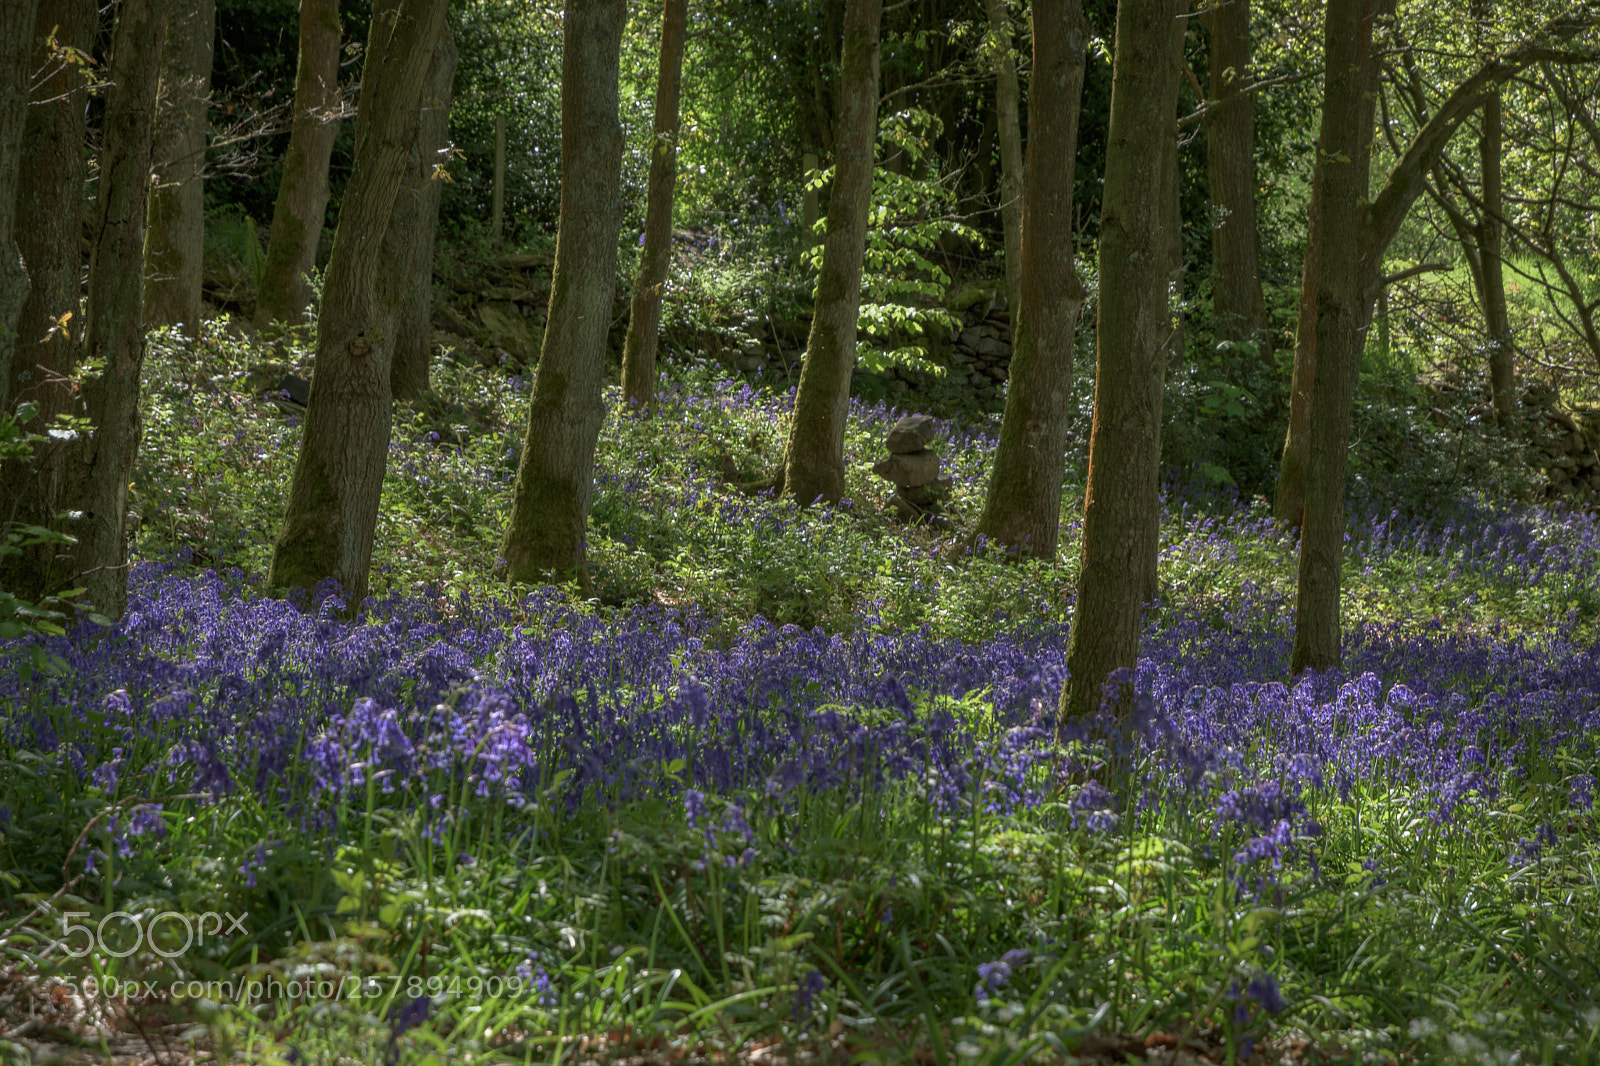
176	226
1121	510
1023	509
813	459
555	479
49	205
16	40
302	203
338	478
1294	467
1492	282
418	228
644	323
1316	633
101	465
1010	131
1238	304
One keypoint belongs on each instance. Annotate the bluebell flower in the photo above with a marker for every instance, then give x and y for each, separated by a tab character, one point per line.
805	994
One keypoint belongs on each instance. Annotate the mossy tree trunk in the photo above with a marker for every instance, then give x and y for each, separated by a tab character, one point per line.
16	37
1010	134
49	205
174	243
644	321
101	465
415	229
302	202
1023	508
332	513
813	458
555	478
1316	634
1121	509
1238	303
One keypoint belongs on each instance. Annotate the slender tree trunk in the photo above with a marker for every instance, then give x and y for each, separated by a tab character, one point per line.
101	466
809	204
1240	308
1288	504
302	203
1316	635
813	460
1294	467
1172	225
174	243
1496	316
555	479
644	324
16	41
1010	129
408	375
1023	509
1121	509
49	205
497	198
338	478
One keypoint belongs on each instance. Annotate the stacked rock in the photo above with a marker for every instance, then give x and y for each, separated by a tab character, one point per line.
914	470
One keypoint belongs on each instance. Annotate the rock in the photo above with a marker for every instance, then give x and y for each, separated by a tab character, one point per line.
929	495
526	260
998	373
971	338
913	433
295	389
994	347
908	470
263	376
509	330
751	361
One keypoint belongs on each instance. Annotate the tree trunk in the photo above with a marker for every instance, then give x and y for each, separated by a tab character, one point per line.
176	225
497	198
555	479
338	478
16	40
1239	307
644	323
1289	502
408	374
1172	225
1316	634
101	465
1121	510
302	203
1010	129
1023	509
813	459
1496	316
1294	467
49	205
809	204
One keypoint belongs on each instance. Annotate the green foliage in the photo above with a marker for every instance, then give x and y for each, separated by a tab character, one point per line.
902	289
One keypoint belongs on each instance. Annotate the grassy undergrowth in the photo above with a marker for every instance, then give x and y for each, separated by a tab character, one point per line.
790	778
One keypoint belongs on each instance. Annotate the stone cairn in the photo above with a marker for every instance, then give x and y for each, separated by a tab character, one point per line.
914	470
